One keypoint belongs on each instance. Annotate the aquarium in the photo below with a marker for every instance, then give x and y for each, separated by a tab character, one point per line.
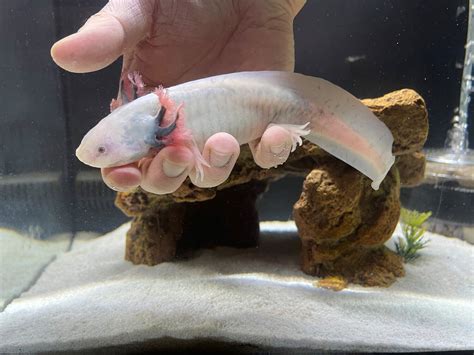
313	191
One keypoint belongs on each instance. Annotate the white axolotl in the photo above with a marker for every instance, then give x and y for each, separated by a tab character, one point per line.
242	104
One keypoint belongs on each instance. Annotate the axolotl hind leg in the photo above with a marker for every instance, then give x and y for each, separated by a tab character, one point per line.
296	132
260	150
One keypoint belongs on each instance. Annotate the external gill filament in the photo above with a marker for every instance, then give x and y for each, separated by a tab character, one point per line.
164	131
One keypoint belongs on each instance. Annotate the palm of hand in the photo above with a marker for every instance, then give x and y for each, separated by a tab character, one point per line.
185	40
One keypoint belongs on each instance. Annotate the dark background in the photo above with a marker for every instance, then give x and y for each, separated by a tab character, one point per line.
45	111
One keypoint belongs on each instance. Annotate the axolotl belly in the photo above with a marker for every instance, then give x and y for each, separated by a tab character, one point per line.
243	105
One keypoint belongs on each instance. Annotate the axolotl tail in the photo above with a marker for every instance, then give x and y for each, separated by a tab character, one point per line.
348	129
341	125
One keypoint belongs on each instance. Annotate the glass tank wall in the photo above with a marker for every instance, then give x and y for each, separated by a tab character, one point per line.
381	47
368	47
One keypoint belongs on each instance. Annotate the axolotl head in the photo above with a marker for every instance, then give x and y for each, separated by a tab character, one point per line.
125	135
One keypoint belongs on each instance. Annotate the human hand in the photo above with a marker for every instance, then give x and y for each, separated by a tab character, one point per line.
170	42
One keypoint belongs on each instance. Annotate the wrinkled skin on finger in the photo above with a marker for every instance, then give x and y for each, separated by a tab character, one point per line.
174	41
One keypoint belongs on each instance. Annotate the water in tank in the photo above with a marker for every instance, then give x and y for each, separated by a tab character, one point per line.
267	176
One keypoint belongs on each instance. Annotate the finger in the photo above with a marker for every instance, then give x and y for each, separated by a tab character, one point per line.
221	152
118	27
273	148
167	170
296	6
122	178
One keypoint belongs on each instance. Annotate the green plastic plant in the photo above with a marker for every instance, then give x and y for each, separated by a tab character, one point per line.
412	241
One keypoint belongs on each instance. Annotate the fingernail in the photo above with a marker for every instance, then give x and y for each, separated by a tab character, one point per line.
121	188
278	149
219	159
173	170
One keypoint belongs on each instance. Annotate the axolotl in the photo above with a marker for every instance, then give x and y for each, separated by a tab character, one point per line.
242	104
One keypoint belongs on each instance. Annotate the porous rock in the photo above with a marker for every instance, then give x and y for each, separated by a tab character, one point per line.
166	230
343	225
412	168
342	222
404	112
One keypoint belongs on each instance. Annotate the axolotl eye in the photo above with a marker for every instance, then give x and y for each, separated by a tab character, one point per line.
101	149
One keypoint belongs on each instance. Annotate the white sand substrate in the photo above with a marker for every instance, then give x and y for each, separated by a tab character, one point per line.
91	297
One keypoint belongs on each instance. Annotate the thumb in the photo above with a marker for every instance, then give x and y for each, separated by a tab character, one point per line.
117	28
